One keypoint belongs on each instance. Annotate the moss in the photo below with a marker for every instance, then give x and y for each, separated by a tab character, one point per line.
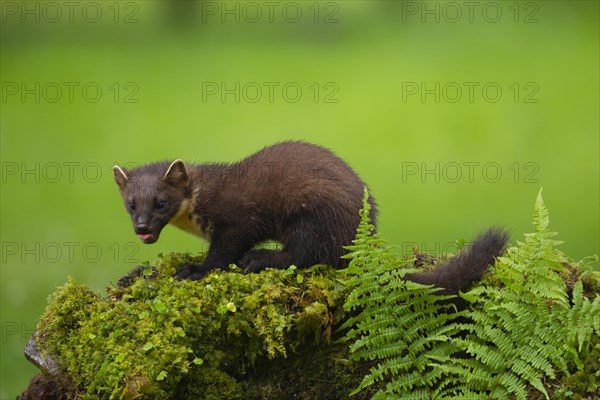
317	372
591	283
159	337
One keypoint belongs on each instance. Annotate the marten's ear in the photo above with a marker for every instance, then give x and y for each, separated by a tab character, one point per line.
120	176
177	174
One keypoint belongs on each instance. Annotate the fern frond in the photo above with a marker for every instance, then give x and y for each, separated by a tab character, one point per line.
527	330
401	324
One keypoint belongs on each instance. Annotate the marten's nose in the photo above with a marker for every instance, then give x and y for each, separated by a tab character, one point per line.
142	228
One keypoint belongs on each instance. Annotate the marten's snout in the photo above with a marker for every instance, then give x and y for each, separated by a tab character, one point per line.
145	232
141	224
142	228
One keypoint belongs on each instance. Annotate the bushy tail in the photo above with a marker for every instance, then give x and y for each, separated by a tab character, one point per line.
468	266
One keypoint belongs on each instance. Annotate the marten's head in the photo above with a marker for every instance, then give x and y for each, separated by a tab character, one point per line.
154	194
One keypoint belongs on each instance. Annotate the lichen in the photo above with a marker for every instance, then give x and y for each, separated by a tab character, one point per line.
160	338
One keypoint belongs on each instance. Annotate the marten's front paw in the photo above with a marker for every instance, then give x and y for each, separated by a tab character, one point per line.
257	260
192	272
249	265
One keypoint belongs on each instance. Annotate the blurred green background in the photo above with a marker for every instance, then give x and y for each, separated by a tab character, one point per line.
455	113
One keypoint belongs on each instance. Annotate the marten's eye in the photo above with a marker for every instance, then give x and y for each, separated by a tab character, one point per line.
131	206
161	204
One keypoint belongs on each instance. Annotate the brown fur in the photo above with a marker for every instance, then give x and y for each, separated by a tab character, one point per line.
299	194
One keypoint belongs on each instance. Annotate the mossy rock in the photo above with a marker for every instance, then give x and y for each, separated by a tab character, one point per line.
268	335
263	336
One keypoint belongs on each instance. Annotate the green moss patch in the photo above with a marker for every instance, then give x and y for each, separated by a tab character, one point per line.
161	338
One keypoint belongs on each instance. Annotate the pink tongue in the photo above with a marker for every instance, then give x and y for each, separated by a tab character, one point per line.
145	236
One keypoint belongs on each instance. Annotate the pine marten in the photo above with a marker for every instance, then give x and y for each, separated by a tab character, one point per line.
299	194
